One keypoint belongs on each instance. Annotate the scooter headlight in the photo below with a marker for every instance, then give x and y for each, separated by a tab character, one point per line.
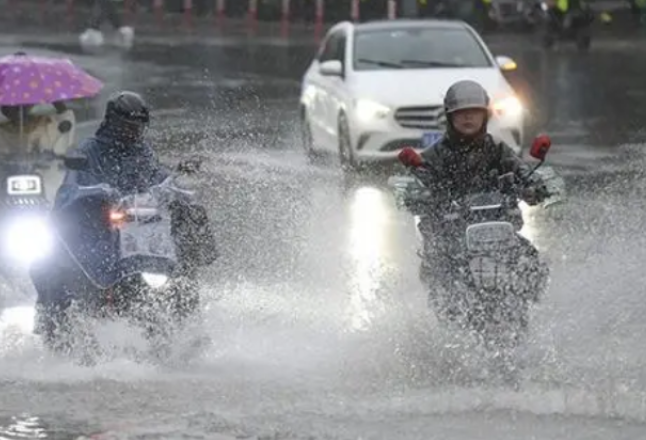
155	280
28	239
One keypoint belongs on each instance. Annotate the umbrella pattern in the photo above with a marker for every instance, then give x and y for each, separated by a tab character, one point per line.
26	80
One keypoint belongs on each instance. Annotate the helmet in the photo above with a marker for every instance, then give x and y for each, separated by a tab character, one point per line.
465	95
127	116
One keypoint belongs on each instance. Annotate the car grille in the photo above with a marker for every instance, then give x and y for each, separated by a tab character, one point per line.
421	117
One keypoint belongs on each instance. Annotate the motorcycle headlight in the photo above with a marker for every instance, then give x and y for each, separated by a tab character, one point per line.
29	239
508	107
154	280
367	110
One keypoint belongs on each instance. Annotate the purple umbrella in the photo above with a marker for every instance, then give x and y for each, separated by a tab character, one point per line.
26	80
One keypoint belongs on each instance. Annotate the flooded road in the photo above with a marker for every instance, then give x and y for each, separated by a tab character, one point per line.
319	324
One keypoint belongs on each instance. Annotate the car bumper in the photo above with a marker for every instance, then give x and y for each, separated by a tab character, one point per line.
377	146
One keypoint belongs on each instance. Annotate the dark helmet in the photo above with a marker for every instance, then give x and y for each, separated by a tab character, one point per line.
127	116
465	95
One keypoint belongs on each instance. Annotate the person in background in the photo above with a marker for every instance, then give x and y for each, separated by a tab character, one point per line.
47	133
106	10
25	131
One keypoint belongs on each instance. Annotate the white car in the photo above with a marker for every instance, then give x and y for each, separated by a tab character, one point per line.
377	87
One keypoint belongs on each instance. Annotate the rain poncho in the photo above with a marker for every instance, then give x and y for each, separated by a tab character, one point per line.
127	168
456	169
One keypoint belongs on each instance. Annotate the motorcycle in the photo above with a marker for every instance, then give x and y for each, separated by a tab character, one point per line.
123	255
575	25
494	272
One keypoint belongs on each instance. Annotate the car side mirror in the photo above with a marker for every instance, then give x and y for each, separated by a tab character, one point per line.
331	68
506	64
76	163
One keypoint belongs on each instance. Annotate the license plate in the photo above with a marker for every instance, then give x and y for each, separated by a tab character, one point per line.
24	185
431	138
151	239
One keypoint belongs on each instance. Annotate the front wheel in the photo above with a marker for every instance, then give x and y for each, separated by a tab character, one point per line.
306	137
505	326
65	331
346	155
170	310
173	318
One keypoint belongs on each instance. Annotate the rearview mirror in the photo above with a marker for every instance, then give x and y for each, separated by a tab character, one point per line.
331	68
410	158
540	147
506	64
76	163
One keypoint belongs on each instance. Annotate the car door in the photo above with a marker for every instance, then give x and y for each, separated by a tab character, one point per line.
337	91
331	89
314	89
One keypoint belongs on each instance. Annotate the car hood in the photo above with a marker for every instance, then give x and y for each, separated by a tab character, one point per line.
423	86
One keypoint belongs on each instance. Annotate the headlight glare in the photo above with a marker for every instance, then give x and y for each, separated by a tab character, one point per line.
508	107
367	110
28	240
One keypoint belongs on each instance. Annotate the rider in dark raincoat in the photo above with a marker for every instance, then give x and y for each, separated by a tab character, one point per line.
466	161
118	156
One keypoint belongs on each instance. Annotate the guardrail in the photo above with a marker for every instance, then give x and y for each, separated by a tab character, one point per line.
160	12
219	15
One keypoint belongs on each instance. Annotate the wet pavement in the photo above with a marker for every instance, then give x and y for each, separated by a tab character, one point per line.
318	322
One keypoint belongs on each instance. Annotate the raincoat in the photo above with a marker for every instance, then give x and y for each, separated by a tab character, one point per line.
456	170
131	168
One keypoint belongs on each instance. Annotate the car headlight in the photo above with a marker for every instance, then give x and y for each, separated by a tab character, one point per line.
28	240
508	107
367	110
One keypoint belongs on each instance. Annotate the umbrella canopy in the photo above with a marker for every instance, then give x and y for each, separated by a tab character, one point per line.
26	80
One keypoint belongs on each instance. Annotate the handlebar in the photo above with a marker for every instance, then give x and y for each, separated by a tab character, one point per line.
509	186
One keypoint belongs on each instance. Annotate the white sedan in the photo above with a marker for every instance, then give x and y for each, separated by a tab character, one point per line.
377	87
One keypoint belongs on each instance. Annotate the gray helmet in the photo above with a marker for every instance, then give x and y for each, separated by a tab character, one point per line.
464	95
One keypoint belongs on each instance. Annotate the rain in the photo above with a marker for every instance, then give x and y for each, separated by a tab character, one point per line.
315	324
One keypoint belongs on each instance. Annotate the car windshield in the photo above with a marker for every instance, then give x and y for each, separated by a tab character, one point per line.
417	48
